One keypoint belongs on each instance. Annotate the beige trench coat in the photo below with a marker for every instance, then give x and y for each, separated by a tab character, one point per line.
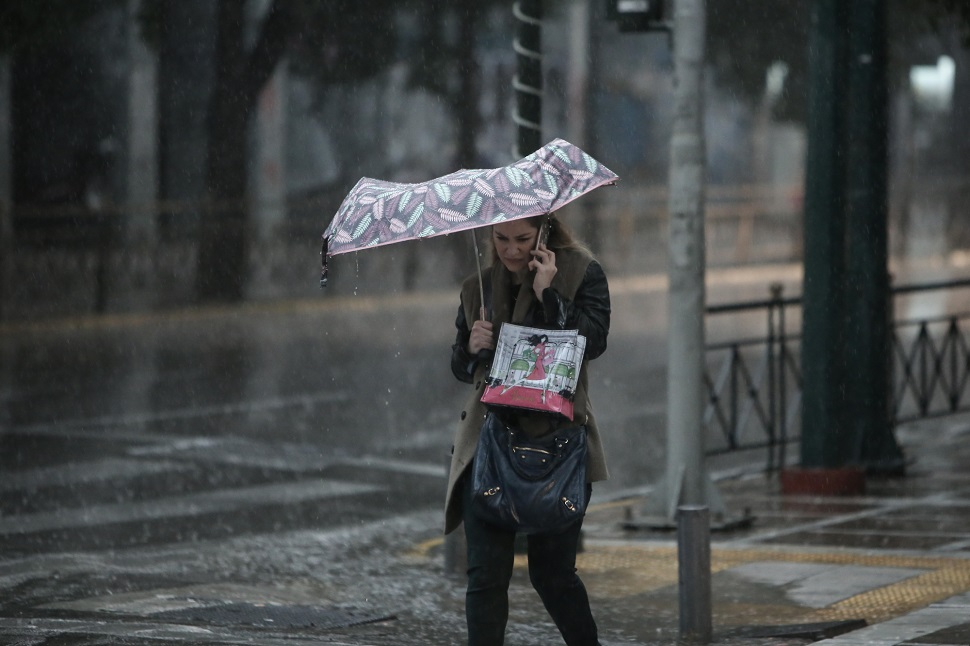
572	265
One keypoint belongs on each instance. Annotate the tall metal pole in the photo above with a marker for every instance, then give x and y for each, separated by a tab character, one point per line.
528	78
686	264
686	481
583	63
825	442
580	55
868	331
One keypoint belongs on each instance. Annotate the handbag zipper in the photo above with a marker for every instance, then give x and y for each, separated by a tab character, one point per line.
529	448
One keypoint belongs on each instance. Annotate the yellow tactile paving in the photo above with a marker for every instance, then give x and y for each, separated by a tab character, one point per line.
629	570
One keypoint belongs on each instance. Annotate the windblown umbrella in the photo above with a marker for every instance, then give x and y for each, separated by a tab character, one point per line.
377	213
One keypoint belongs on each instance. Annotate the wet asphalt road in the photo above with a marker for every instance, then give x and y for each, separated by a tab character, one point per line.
111	417
213	447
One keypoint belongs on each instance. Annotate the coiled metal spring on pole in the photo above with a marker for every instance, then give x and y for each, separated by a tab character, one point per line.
527	82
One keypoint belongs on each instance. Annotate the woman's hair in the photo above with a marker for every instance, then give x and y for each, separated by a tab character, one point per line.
561	237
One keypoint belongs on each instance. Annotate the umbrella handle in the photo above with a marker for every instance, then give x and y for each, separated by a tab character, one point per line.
484	355
323	263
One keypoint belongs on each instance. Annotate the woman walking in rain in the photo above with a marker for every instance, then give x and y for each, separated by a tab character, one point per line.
557	286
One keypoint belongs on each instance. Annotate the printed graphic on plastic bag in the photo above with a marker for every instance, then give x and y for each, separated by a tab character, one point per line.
536	369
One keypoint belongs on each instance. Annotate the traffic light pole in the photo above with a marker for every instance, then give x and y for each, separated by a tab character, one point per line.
686	480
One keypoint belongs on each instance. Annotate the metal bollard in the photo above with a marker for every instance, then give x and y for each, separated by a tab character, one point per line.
694	573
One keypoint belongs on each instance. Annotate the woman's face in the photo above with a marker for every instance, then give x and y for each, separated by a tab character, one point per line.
513	242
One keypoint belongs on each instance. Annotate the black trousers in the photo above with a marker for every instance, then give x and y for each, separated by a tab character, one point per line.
552	571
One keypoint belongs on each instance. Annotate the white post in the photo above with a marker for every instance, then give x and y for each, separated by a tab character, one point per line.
142	140
269	180
270	184
686	481
268	170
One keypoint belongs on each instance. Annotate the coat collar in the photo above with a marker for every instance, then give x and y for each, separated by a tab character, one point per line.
502	290
572	268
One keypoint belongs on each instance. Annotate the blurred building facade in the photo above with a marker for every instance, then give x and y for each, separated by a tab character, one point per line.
106	138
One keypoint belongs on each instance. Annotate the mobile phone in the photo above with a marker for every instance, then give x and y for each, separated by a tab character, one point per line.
543	236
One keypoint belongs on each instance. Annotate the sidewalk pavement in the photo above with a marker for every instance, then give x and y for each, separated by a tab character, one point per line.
888	568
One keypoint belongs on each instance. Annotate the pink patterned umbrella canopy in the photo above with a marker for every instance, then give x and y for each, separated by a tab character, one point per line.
377	213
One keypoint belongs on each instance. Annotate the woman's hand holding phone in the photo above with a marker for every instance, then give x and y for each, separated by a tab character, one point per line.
544	264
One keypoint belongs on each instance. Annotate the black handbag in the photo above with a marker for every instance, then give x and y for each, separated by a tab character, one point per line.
529	485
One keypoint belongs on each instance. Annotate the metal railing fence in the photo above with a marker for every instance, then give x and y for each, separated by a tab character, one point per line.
754	384
931	359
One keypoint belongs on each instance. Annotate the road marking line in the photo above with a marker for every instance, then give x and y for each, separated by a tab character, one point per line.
397	466
195	504
64	427
72	473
